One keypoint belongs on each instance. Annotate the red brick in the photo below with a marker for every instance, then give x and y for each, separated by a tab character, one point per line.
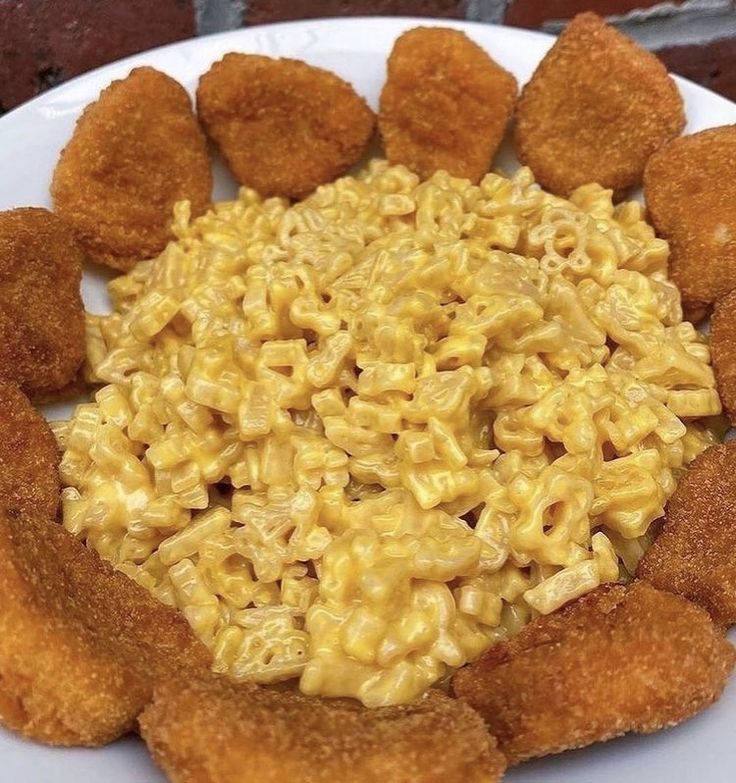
84	34
264	11
711	64
18	60
532	13
44	42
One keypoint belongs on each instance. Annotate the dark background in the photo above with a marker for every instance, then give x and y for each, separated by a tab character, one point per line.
44	42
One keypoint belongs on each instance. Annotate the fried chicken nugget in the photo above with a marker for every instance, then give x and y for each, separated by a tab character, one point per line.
695	554
595	109
76	388
445	104
29	458
135	152
81	646
284	127
690	192
41	312
723	352
54	686
210	732
622	658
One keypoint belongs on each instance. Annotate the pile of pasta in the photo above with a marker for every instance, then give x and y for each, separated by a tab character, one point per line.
359	439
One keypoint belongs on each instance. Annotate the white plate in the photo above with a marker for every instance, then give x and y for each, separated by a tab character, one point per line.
31	137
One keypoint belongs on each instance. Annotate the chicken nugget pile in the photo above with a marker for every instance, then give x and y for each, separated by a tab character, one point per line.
88	655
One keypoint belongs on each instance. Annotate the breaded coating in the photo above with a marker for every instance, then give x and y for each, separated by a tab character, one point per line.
211	732
595	109
690	192
81	646
76	388
29	458
695	554
622	658
135	152
723	352
41	312
54	686
445	104
284	127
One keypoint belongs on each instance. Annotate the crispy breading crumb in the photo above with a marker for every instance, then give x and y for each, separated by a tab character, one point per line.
695	554
54	686
284	127
135	152
597	106
723	351
690	192
445	104
210	731
29	458
81	646
622	658
76	389
41	312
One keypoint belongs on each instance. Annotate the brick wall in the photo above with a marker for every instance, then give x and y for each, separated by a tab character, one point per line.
43	42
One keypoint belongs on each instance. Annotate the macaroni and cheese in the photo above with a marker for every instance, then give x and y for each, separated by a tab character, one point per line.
359	439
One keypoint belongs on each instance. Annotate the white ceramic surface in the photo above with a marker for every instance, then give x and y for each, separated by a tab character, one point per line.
702	750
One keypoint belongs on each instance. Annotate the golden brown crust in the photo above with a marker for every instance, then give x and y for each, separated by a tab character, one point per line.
76	388
695	554
284	127
595	109
135	152
690	191
619	659
29	458
54	687
445	104
209	732
82	648
41	312
723	351
81	645
73	581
